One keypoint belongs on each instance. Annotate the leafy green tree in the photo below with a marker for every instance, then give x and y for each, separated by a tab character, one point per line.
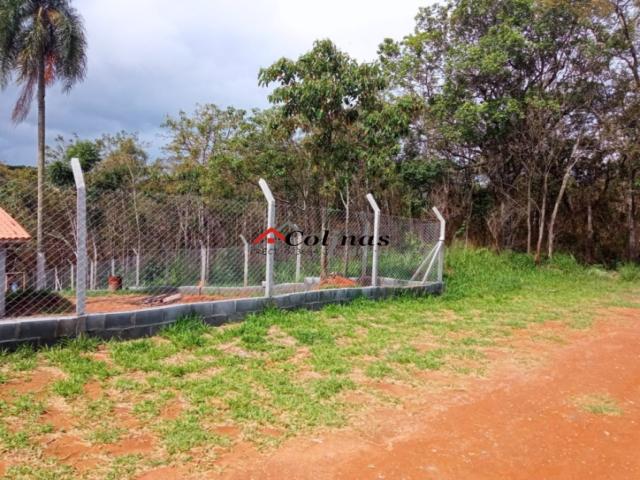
202	146
41	41
350	129
508	88
338	107
59	168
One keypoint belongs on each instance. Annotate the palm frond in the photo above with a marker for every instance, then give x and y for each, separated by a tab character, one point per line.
40	34
23	105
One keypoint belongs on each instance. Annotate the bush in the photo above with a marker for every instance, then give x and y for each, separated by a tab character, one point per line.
481	272
629	272
565	263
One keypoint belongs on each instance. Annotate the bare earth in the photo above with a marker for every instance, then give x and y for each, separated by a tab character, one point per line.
126	303
518	422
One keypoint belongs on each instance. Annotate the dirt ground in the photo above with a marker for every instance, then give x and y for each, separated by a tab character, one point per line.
519	422
521	419
124	303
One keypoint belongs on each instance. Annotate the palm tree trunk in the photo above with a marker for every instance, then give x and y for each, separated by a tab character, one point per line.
40	259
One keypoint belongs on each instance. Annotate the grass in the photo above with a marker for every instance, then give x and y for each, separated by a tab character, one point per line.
106	434
599	404
292	371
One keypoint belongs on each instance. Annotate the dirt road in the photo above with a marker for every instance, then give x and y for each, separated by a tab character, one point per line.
523	420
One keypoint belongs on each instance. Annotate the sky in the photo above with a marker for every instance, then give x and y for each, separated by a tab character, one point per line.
152	58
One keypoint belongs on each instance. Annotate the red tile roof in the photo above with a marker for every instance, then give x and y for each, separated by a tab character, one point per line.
10	230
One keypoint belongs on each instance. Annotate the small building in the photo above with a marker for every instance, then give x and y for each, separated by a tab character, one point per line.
11	232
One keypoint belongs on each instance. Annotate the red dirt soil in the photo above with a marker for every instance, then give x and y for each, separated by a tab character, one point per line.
337	281
519	422
124	303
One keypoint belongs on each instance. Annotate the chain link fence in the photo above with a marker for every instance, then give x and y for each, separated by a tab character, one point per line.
145	250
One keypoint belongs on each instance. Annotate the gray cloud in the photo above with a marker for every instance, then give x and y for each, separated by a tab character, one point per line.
150	58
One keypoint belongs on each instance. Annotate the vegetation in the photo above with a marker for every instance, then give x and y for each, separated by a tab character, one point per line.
200	389
41	41
518	118
599	405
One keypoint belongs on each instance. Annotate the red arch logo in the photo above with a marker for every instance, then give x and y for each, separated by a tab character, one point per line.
270	234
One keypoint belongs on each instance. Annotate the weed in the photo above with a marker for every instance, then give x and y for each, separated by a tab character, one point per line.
629	272
69	387
185	433
105	434
188	332
378	369
599	404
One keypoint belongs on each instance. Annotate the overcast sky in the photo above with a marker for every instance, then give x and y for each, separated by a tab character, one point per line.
150	58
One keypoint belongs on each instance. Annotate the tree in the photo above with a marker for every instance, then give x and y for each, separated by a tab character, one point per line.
201	147
508	88
337	106
41	41
618	31
59	166
339	109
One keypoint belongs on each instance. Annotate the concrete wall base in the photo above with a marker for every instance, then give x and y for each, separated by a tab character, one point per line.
149	321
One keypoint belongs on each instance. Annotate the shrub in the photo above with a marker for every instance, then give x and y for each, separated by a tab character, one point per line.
629	272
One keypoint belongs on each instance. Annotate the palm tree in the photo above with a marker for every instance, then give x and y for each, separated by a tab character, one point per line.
41	41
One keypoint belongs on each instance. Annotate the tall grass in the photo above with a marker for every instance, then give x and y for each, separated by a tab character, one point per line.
473	272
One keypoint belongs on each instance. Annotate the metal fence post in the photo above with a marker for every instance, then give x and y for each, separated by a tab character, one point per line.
41	274
299	258
246	261
203	265
3	279
376	235
271	245
443	225
81	247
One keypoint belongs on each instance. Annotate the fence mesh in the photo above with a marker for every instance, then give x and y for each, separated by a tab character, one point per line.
150	250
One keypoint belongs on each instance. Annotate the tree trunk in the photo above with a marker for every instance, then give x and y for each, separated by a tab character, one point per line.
529	202
573	159
501	228
345	256
541	221
40	260
590	251
632	246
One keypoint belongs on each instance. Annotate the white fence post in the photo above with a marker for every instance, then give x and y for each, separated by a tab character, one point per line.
203	265
376	234
299	258
245	277
271	246
81	248
441	238
41	276
3	278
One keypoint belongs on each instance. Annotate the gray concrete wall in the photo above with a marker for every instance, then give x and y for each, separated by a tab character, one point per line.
149	321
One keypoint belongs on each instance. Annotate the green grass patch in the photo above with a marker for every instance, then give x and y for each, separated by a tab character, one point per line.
599	404
290	370
185	433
